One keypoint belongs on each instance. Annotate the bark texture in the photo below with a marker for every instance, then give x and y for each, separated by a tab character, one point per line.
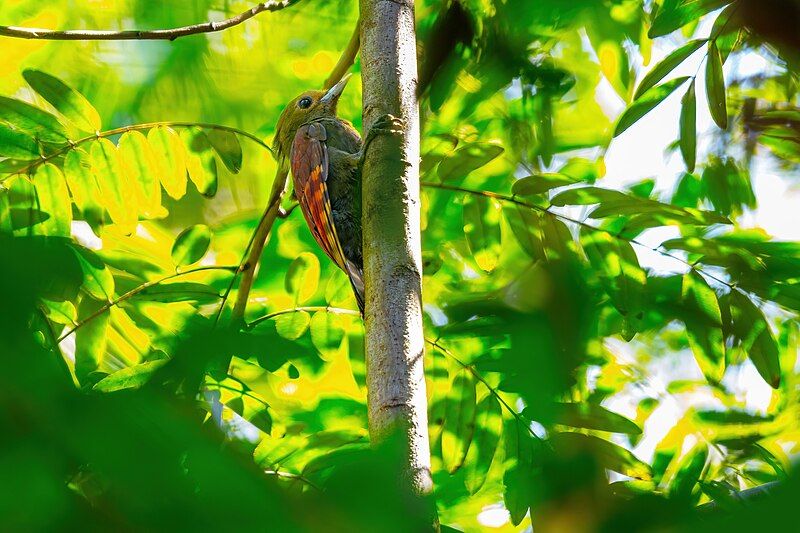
392	242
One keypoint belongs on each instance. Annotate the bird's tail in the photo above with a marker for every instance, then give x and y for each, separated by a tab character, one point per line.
356	275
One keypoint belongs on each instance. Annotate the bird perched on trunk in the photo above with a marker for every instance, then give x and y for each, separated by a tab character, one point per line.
325	154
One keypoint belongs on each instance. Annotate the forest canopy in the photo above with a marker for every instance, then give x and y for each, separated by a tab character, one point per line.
610	269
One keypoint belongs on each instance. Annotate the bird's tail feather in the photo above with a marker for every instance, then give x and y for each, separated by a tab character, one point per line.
356	276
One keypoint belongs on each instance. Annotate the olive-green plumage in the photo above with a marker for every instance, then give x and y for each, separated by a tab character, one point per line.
324	153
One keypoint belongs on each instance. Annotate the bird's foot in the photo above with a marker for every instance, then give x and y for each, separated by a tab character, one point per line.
384	125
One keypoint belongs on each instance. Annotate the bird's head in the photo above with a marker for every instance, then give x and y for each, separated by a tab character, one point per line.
309	106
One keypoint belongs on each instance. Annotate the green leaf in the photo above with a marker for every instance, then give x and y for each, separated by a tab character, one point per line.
83	184
481	216
703	321
607	454
97	278
90	340
526	224
646	103
667	65
16	144
292	325
200	161
623	279
689	472
117	196
593	416
459	420
182	291
70	103
142	169
129	378
51	189
674	14
488	429
227	146
715	87
61	312
327	332
36	122
518	476
539	183
191	245
171	160
752	330
688	128
302	277
470	157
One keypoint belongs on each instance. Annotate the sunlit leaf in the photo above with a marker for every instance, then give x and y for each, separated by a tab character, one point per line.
607	454
673	14
592	416
179	291
689	472
191	245
327	332
142	169
170	159
488	429
51	189
117	195
715	87
97	278
302	277
540	183
470	157
82	183
459	420
292	325
481	218
751	328
61	312
16	144
34	121
688	128
70	103
228	148
90	339
667	65
704	325
646	103
200	161
518	476
129	378
526	226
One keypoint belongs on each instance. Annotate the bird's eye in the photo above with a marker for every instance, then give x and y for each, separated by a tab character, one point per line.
304	102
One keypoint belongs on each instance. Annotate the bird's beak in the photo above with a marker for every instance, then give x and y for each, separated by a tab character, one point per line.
335	92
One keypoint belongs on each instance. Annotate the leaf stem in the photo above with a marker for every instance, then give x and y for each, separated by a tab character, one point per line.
309	309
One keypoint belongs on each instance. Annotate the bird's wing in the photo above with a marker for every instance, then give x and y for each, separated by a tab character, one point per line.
309	159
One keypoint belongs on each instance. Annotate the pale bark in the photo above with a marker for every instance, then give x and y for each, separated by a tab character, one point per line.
391	233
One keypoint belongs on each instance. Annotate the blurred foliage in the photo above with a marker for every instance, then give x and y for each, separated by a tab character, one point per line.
132	175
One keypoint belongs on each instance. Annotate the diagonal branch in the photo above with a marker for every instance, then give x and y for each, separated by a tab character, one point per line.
142	35
347	59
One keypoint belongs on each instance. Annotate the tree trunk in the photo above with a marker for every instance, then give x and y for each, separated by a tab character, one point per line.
391	233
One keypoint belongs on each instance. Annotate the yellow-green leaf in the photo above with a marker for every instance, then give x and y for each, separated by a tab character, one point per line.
488	428
142	169
83	183
459	420
36	122
468	158
97	278
67	101
17	144
200	161
753	332
191	245
540	183
292	325
688	128
327	332
302	277
715	87
90	340
117	196
481	217
703	325
129	378
51	190
170	159
646	103
228	148
667	65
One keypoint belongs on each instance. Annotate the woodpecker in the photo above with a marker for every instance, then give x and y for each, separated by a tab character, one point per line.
325	155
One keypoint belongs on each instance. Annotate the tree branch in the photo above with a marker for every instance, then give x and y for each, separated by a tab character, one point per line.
248	267
347	59
395	345
142	35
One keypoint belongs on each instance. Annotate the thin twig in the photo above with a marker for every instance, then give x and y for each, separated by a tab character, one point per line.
133	292
142	35
308	309
347	59
289	475
71	145
546	211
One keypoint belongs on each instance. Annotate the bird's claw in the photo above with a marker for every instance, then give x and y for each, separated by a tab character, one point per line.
383	125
